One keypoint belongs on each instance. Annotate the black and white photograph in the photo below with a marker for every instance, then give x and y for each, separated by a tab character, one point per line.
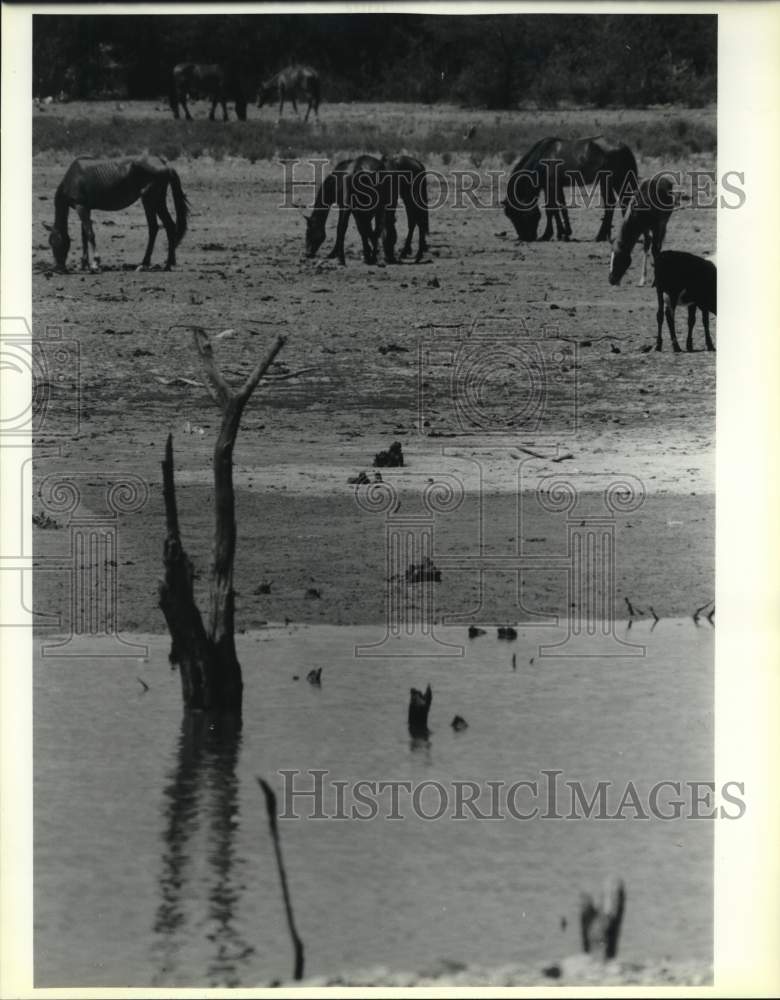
381	614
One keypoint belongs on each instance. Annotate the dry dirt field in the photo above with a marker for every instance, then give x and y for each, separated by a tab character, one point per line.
376	352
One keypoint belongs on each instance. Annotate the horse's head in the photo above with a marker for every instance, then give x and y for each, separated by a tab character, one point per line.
521	205
619	263
525	220
315	234
60	245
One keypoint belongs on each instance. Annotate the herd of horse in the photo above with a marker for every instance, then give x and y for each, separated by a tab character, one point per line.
219	85
369	188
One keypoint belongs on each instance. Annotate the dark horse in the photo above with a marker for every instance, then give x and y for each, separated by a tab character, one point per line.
109	186
647	216
211	81
404	177
369	189
354	186
553	164
292	83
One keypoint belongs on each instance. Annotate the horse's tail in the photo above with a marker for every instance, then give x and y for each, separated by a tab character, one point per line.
180	203
630	185
422	195
173	93
314	86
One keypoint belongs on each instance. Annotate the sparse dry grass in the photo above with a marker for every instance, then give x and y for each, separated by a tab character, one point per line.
105	129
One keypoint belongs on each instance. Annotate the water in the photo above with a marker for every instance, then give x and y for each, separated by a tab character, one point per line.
153	861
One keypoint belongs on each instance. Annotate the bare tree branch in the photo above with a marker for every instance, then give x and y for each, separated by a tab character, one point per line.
218	388
249	386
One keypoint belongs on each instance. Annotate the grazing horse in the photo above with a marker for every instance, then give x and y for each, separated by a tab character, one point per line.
109	186
354	186
647	216
189	79
292	83
553	164
404	177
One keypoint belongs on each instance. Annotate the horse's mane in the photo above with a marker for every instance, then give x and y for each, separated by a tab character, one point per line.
525	160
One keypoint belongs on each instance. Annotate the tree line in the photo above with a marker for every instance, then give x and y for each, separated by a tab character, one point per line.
488	61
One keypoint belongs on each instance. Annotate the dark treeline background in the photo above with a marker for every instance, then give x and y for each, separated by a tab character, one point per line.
493	61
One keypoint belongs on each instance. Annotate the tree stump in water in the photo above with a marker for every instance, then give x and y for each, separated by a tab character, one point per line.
419	705
600	921
206	656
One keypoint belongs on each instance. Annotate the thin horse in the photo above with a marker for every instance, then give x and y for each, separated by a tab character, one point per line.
109	186
355	187
404	177
292	83
210	80
647	216
554	164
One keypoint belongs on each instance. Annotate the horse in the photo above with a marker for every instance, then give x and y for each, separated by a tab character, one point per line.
292	83
353	185
647	216
189	79
685	279
109	186
553	164
404	177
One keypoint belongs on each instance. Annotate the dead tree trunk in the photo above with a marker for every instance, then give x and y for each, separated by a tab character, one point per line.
600	922
206	656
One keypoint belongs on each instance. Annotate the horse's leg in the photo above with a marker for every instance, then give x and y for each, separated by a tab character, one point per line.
341	232
671	304
389	235
705	318
187	114
562	227
170	227
643	278
281	103
363	222
295	105
87	240
659	319
421	244
308	112
149	199
607	196
548	229
691	324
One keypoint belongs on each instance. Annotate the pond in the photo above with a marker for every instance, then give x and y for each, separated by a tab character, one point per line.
153	860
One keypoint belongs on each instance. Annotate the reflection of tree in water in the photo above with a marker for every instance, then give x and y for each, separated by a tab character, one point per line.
203	793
